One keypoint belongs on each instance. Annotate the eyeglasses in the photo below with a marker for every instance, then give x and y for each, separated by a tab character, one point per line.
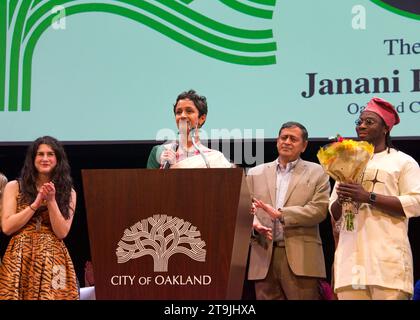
368	121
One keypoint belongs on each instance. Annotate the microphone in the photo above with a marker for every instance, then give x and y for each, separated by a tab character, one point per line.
167	164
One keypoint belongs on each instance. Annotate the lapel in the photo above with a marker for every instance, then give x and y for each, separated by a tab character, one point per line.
271	178
297	174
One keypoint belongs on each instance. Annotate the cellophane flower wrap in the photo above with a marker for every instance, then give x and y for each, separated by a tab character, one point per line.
345	160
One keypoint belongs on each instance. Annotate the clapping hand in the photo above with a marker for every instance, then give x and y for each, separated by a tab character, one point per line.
48	191
261	229
40	198
272	212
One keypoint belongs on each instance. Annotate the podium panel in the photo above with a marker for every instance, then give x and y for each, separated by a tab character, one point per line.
168	234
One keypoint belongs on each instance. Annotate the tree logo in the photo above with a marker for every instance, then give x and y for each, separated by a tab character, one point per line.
161	236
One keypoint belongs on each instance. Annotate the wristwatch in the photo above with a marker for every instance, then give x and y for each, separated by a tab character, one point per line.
281	219
372	197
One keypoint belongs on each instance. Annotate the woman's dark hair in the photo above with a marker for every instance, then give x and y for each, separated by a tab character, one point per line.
60	175
200	102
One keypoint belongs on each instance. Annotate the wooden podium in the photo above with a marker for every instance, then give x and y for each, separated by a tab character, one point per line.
168	234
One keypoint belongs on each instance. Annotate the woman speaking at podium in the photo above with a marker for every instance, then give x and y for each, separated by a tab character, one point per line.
190	111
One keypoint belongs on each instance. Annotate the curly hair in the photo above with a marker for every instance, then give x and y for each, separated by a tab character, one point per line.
60	175
200	102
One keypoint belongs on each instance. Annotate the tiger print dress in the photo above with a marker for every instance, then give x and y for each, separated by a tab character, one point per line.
36	264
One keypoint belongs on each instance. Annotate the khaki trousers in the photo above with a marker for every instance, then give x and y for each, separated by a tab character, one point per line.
282	284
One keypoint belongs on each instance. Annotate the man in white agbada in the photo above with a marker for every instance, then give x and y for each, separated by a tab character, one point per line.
374	261
190	111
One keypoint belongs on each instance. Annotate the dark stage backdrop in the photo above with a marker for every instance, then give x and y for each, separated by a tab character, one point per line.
134	155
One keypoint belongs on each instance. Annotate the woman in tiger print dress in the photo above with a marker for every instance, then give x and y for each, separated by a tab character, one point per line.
38	211
3	181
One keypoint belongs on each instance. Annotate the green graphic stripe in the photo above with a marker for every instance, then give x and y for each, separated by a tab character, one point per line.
12	8
219	41
35	3
3	38
215	25
83	8
45	8
265	2
396	10
252	11
170	18
187	1
15	56
228	30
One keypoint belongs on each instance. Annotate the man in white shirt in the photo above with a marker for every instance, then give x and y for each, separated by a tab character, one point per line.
374	261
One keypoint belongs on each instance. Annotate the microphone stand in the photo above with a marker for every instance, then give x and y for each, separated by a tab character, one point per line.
193	131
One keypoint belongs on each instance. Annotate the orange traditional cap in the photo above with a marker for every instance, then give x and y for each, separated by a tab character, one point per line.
385	110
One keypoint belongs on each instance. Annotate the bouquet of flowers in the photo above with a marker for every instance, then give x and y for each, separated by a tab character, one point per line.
345	160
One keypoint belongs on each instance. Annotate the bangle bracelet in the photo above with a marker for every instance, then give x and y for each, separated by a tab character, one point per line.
32	208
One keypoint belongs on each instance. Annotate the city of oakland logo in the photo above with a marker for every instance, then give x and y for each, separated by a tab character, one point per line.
161	237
